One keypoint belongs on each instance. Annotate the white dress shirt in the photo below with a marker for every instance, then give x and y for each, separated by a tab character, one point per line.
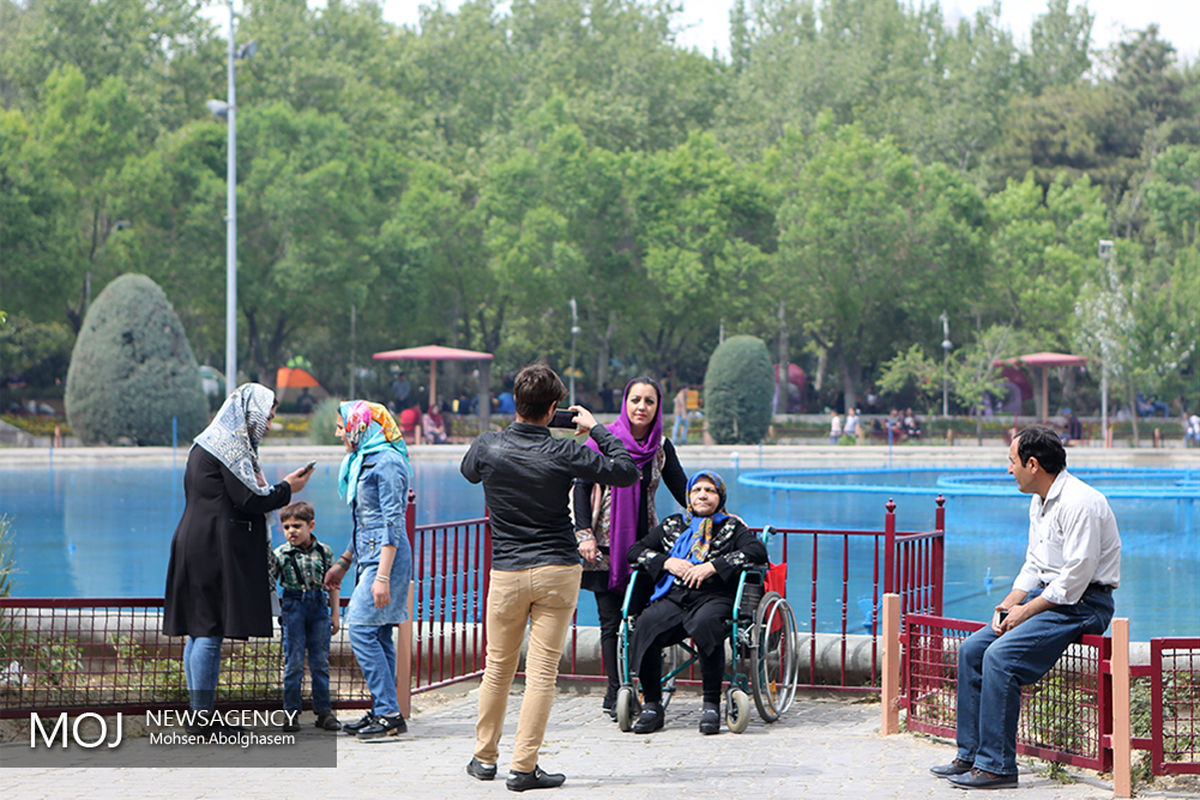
1073	541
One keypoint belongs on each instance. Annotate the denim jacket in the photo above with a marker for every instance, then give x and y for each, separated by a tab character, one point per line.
379	507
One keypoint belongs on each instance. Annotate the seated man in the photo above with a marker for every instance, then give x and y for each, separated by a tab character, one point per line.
1064	589
695	559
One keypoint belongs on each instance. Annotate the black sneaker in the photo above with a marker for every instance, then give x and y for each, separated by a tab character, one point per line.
383	727
710	721
327	721
481	771
651	719
352	728
520	781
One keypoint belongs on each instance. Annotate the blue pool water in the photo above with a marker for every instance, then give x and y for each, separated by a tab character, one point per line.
106	532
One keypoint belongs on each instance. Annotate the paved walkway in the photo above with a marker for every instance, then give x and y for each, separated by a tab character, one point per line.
827	747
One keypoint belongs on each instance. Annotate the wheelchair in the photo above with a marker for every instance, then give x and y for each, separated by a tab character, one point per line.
762	659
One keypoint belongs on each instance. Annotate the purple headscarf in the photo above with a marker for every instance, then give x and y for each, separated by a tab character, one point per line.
626	501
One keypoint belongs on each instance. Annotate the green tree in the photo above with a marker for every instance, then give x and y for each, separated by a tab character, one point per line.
1041	254
873	249
1059	42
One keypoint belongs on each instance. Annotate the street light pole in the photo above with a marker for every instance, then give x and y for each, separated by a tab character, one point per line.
231	221
574	333
945	318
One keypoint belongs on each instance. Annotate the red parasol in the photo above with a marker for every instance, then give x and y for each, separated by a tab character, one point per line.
432	353
1045	361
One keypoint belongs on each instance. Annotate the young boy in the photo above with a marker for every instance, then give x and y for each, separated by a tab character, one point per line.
309	614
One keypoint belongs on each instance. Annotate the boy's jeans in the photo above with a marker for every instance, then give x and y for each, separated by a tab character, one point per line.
305	621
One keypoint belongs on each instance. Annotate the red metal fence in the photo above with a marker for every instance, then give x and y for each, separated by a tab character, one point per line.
451	564
1174	671
866	564
1067	716
109	654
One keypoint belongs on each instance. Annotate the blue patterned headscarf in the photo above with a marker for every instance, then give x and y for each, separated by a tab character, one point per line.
693	544
234	433
369	428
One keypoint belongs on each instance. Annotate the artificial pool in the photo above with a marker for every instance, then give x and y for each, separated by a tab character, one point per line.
105	531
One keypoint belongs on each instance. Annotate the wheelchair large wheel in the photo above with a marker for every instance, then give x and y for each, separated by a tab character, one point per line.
774	663
627	708
737	710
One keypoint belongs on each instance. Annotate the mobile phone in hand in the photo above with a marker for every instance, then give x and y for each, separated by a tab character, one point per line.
563	418
309	466
1000	616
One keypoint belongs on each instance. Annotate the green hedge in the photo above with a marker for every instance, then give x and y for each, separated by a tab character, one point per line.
132	369
738	388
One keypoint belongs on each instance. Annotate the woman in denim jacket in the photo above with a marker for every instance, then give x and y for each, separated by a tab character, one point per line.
374	479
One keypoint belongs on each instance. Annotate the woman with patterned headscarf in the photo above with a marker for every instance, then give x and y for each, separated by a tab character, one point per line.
218	583
374	479
694	559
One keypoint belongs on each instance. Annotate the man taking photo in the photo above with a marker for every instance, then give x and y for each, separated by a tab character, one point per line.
527	477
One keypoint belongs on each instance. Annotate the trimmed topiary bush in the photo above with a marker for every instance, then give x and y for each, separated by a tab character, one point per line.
132	369
738	387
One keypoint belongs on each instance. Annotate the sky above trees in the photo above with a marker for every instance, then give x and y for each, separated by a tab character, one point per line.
704	24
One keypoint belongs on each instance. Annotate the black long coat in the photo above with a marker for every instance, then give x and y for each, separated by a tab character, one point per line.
217	581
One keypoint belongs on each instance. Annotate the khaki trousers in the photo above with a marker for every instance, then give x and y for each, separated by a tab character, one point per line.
544	598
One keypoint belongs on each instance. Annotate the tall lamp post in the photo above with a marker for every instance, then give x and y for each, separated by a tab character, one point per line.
946	345
574	333
227	110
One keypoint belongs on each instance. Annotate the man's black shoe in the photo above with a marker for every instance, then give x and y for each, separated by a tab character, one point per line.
383	727
352	728
955	767
981	779
481	771
710	721
651	719
520	781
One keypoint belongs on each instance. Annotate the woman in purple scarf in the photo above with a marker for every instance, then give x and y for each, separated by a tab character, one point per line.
610	519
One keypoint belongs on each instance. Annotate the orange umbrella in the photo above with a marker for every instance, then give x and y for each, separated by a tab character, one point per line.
294	378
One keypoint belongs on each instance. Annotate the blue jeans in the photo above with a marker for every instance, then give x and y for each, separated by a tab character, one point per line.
992	669
202	669
306	628
376	655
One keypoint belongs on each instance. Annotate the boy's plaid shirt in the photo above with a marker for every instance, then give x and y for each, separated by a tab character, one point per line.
313	564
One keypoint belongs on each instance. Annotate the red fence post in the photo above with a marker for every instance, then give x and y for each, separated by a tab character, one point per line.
404	659
487	580
939	554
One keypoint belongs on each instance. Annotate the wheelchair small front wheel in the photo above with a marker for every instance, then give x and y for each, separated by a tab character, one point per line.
626	708
737	710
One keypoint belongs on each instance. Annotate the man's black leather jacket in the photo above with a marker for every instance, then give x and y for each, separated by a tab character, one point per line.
527	477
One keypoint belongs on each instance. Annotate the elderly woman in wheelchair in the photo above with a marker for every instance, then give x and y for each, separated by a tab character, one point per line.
695	560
